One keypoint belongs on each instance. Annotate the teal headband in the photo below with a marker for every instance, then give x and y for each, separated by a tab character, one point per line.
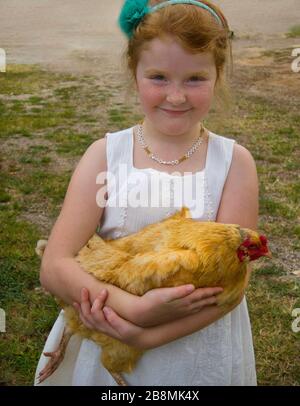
134	11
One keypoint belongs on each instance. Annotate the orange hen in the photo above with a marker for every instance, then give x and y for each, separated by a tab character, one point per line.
176	251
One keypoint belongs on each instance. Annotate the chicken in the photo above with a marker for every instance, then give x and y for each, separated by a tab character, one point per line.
173	252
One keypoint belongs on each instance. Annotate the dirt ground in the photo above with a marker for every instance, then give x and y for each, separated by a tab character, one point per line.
83	36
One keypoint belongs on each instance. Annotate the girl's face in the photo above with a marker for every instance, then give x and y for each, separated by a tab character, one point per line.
175	87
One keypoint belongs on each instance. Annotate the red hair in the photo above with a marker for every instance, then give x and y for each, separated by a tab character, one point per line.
193	27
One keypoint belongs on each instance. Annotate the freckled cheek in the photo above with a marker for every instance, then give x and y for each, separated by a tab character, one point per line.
201	100
151	96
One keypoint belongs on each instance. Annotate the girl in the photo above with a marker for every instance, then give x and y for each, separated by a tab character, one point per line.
177	52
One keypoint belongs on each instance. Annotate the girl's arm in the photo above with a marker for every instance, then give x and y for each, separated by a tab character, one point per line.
159	335
65	279
100	317
80	214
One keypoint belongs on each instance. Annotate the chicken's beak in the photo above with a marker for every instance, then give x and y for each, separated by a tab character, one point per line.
268	254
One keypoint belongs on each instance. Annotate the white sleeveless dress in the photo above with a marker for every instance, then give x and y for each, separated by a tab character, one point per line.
220	354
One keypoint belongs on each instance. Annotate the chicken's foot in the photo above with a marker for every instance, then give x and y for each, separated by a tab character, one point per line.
118	378
56	356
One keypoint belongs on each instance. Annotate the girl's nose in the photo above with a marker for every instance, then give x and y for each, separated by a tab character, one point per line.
176	96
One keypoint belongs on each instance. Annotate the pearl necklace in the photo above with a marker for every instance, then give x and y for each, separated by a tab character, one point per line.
190	152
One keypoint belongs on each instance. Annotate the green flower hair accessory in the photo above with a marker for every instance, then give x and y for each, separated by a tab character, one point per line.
133	11
131	15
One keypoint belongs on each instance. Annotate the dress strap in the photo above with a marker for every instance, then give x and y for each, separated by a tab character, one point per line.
118	150
219	159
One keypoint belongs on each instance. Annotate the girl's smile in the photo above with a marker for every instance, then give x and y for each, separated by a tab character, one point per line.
175	112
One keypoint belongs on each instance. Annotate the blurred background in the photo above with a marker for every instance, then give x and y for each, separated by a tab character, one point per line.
71	32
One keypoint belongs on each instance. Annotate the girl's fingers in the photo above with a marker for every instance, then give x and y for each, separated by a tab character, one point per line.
86	321
189	292
97	313
76	306
103	294
170	294
84	309
96	310
119	325
111	317
99	301
96	306
204	293
206	302
85	303
101	318
92	317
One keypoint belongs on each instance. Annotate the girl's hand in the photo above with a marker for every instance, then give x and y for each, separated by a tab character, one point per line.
102	318
162	305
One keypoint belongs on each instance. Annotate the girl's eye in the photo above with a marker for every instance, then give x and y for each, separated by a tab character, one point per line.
192	78
157	77
196	79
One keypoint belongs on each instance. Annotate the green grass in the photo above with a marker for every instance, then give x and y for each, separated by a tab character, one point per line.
276	346
29	315
294	31
47	122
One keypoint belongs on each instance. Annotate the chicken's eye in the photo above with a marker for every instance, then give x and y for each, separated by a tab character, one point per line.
252	247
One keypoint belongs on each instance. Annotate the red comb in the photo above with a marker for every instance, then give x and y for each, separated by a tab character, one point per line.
263	239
